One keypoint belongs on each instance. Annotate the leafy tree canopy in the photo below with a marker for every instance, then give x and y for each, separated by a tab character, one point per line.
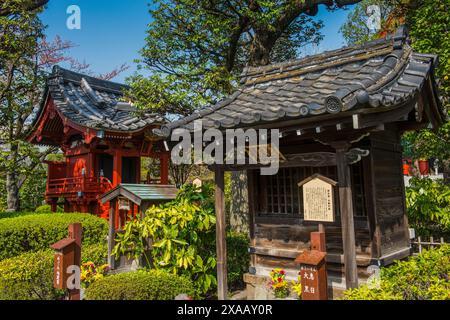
357	29
428	22
196	49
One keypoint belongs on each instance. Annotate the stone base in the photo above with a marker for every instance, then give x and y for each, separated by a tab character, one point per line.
258	288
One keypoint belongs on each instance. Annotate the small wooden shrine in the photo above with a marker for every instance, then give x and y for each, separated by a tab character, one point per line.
340	114
102	138
134	199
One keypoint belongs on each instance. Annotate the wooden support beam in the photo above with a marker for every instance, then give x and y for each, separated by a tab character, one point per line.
356	121
112	232
117	168
164	169
346	210
54	205
75	232
221	244
252	213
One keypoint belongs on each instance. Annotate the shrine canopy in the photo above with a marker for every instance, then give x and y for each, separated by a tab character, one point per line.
140	193
358	87
75	103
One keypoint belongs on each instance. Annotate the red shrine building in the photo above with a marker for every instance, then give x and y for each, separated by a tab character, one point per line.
103	140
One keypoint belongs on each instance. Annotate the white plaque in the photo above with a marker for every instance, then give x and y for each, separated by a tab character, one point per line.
318	199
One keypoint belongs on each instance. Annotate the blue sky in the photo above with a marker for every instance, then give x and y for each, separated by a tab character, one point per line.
113	31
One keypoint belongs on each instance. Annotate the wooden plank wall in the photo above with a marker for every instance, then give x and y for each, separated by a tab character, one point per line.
390	205
380	230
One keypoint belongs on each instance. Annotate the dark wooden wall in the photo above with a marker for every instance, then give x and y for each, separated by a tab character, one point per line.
381	230
389	192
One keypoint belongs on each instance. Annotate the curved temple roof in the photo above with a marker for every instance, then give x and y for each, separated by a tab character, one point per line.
381	73
93	103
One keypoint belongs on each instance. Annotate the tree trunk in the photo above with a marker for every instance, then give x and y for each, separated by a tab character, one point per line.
238	211
12	192
12	180
446	171
260	49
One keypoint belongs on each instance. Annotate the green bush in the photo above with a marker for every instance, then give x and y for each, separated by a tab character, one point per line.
46	208
238	259
182	232
428	207
37	232
96	253
139	285
424	277
7	215
30	276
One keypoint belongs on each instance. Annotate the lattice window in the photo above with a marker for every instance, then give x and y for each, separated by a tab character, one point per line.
280	195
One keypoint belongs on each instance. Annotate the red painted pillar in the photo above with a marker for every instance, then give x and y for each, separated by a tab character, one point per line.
54	205
91	165
164	168
66	206
117	179
117	170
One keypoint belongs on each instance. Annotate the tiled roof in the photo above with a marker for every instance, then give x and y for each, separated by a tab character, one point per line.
95	103
381	73
141	192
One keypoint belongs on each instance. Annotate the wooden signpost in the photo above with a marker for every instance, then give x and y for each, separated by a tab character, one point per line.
313	272
318	202
67	254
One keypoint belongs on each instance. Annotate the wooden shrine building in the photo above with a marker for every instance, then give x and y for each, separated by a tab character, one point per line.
131	197
102	138
341	114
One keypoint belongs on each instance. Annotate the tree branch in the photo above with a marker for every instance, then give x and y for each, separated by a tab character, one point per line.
31	6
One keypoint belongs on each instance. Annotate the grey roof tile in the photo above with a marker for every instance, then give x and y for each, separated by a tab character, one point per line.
91	102
383	72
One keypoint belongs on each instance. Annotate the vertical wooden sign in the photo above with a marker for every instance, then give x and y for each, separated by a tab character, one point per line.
67	254
313	275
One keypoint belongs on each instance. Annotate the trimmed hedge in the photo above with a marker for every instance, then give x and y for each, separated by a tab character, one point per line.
46	208
37	232
30	276
140	285
7	215
424	277
238	259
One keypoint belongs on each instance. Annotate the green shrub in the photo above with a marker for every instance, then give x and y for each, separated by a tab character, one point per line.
139	285
38	232
7	215
182	232
47	209
96	253
238	259
424	277
428	207
30	276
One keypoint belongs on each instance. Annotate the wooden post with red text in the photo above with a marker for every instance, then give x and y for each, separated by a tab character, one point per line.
67	255
318	199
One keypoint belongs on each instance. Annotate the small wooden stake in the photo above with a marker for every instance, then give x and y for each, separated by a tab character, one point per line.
75	232
112	232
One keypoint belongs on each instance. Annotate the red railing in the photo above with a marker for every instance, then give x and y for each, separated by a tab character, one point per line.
78	184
